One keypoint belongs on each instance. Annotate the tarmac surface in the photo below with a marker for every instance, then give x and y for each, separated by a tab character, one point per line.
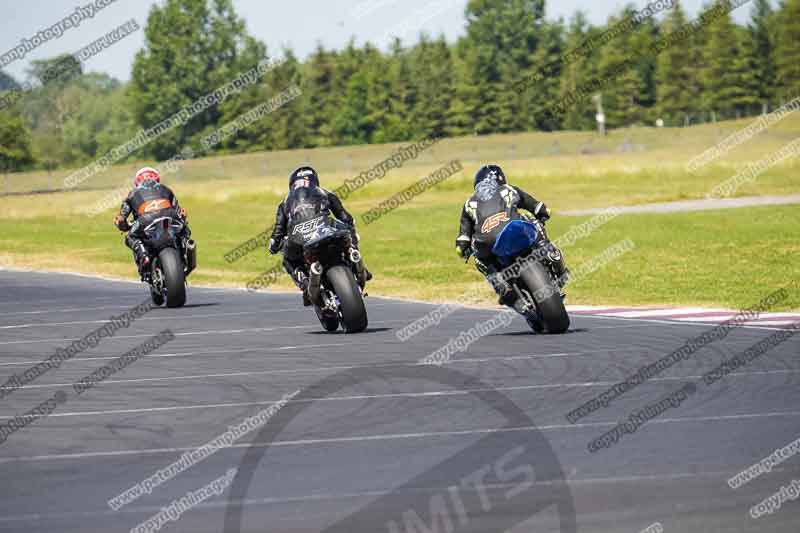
367	439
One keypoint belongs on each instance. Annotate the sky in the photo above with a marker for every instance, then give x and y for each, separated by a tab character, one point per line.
298	24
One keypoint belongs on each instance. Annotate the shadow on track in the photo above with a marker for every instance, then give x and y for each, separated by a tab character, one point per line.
340	332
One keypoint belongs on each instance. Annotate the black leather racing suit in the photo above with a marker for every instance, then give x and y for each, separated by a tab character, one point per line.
145	203
303	205
485	214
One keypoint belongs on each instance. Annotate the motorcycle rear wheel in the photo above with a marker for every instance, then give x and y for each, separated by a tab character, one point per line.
329	323
156	296
552	315
353	311
174	280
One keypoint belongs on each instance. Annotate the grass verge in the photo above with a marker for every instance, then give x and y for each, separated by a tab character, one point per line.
728	258
724	258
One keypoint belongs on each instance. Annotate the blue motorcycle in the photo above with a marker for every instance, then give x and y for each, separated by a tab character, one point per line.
527	260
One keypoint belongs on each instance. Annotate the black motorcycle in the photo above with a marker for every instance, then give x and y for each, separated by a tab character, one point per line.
527	261
336	279
173	256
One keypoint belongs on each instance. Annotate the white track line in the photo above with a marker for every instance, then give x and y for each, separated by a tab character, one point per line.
190	354
148	335
159	318
325	369
620	326
372	495
423	394
689	314
189	333
778	322
396	436
60	300
678	322
210	353
307	370
67	310
176	316
657	313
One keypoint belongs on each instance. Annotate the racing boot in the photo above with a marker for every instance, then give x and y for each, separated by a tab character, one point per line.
300	279
142	259
509	297
505	293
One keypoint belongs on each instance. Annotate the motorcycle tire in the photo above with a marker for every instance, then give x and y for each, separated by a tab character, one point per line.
552	315
174	279
353	311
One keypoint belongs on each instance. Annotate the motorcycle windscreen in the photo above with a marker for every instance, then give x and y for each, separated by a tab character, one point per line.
516	237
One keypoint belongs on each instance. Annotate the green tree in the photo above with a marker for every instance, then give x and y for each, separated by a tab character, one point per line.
746	66
7	82
577	72
622	96
391	96
644	37
502	36
403	95
461	113
537	100
351	123
46	108
724	71
15	143
677	86
96	118
787	49
385	124
57	71
434	79
320	71
288	123
192	47
762	49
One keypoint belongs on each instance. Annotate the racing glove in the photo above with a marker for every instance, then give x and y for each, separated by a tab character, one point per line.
274	247
121	223
541	212
463	249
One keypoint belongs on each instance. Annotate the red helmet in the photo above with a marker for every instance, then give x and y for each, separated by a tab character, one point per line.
147	173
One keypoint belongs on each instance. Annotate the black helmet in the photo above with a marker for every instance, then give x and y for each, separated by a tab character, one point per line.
490	171
304	173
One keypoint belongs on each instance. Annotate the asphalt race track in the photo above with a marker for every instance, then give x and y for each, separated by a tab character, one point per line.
374	441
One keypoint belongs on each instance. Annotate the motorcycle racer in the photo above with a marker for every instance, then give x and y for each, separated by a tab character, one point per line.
484	215
148	200
306	204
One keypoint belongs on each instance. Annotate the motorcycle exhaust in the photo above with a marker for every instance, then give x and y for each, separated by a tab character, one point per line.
191	256
315	282
554	256
357	260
